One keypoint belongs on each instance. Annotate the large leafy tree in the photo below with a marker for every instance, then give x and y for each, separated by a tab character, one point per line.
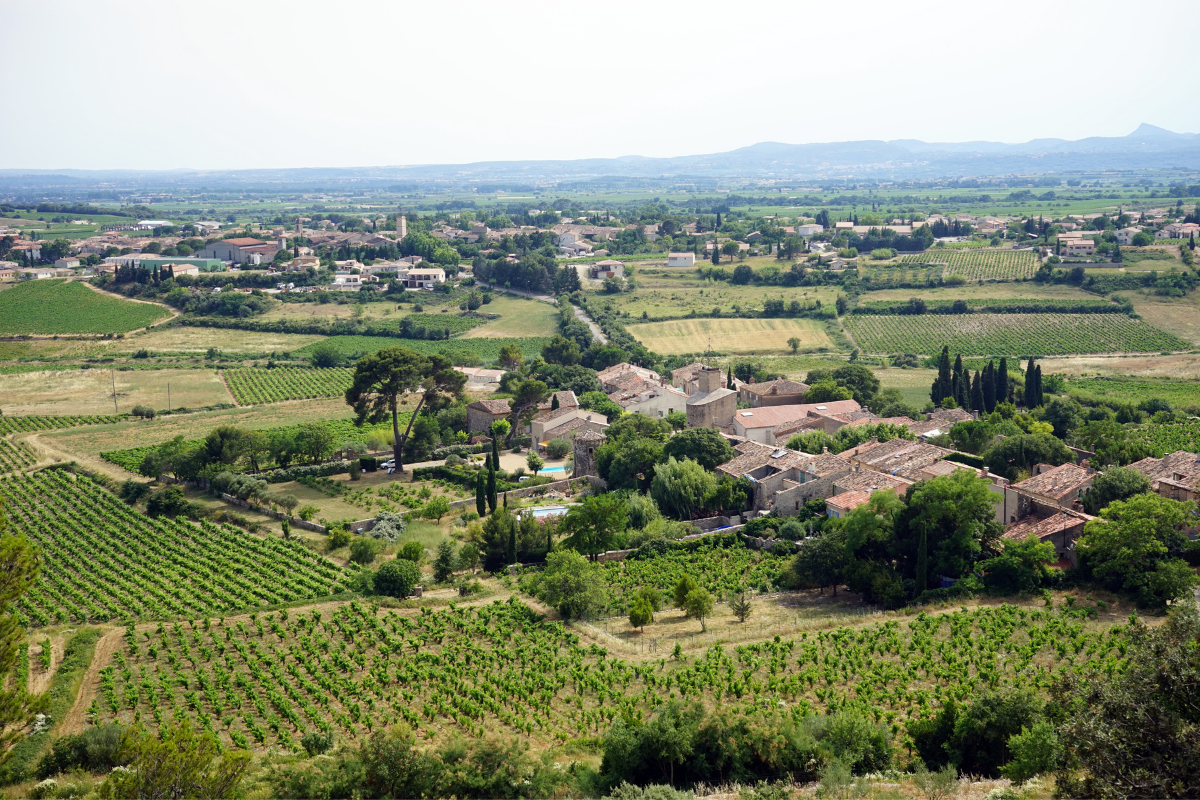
680	488
628	463
946	525
1117	483
383	380
1133	734
179	761
1129	549
527	395
18	571
572	584
593	525
1020	453
706	446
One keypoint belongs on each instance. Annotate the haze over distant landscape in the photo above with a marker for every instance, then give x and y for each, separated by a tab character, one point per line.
628	401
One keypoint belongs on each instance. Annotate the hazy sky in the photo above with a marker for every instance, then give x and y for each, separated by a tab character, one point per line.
163	84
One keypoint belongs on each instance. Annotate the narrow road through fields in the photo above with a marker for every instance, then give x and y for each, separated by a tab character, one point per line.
580	314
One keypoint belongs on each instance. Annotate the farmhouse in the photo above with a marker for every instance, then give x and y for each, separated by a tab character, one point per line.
482	413
242	250
424	278
618	376
651	399
1125	235
1175	475
711	405
759	424
68	262
606	269
1050	490
1079	247
899	457
780	392
681	259
565	423
687	379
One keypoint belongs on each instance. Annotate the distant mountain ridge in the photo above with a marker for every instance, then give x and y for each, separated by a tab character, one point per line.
1148	147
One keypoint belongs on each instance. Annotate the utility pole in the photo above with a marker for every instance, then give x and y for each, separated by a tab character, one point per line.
168	397
113	375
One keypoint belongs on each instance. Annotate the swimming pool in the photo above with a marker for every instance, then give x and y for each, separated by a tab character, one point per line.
552	469
547	511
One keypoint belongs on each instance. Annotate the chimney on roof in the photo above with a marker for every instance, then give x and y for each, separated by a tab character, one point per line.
824	450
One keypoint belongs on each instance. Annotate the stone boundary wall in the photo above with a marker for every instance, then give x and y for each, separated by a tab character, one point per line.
294	521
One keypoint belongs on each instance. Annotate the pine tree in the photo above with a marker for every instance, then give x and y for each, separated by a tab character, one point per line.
1002	381
481	494
977	393
1030	386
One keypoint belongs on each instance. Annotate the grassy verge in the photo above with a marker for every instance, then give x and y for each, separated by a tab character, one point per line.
64	688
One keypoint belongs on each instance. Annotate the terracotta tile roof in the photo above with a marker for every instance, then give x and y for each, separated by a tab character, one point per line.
848	501
1043	527
590	436
777	387
752	455
901	457
771	416
939	468
242	242
1056	483
704	398
493	406
1181	462
951	415
827	464
868	480
874	420
547	416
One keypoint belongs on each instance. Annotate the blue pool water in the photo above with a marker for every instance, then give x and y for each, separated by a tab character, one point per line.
552	469
547	511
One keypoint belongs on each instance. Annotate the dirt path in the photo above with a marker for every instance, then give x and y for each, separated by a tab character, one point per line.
76	719
39	679
228	391
94	463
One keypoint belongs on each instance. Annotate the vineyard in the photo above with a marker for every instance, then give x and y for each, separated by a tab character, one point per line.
343	430
101	560
14	456
1165	439
48	307
988	265
473	671
1179	393
720	565
253	386
464	352
31	424
902	276
1009	334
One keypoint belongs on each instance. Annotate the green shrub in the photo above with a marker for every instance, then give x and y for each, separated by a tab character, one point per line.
363	550
397	578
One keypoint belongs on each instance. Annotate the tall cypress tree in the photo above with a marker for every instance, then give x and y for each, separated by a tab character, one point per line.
977	393
1037	382
1002	381
989	387
962	384
512	538
495	452
481	494
491	488
716	256
1030	385
943	388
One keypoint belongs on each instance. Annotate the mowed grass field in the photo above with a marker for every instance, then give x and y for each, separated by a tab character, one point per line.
89	391
729	335
49	307
519	318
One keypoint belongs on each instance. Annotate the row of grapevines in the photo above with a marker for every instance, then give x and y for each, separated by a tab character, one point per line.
14	456
1009	334
102	560
42	423
267	679
253	386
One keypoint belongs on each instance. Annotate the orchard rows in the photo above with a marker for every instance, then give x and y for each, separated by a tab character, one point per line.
476	670
102	560
1008	334
252	386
